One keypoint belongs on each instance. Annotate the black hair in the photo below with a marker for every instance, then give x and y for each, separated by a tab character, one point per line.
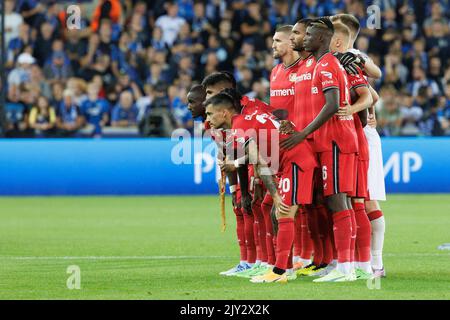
305	21
221	98
324	22
197	88
236	96
219	77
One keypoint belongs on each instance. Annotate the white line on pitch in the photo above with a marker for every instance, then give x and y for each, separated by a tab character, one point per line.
111	257
406	254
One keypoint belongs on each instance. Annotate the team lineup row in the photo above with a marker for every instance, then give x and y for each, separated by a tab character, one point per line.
306	171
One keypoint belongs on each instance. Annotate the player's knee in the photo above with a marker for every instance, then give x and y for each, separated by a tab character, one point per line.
337	202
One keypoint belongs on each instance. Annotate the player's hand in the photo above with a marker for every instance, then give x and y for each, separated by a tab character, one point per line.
286	127
350	62
281	208
372	121
234	201
293	140
246	202
257	194
346	110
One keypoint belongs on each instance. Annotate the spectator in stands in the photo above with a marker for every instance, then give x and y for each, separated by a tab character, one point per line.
38	83
16	114
77	87
110	9
30	10
181	113
22	73
43	46
17	45
69	118
95	110
389	117
255	26
432	123
411	115
58	68
13	21
419	80
125	113
170	23
42	118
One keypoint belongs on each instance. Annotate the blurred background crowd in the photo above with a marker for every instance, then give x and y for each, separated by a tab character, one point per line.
127	68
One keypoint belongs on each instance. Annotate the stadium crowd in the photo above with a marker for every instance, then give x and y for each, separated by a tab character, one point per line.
129	64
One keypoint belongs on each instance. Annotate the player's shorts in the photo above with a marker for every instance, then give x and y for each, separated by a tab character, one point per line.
375	176
296	185
360	188
338	171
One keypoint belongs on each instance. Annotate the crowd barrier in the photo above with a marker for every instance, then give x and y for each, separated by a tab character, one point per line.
179	167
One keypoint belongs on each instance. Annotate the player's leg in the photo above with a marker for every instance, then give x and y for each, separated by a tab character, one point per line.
295	187
266	208
378	227
297	239
240	232
307	245
363	234
377	192
338	180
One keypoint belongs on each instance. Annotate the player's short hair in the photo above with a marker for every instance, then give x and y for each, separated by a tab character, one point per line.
197	88
221	99
305	21
219	77
285	28
342	28
323	22
349	20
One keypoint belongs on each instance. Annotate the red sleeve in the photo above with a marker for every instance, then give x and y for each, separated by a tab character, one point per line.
328	75
357	80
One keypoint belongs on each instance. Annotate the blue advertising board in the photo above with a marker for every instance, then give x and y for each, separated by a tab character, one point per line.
165	167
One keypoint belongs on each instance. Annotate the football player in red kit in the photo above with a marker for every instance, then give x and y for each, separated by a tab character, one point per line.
257	135
316	218
361	100
335	141
253	222
282	95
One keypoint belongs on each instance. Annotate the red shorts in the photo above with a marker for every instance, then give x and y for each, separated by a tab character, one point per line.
338	171
361	187
296	186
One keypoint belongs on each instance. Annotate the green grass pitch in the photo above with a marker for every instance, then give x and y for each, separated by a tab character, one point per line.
172	248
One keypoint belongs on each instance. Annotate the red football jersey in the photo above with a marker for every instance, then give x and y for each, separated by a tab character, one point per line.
303	113
282	92
356	81
263	129
328	73
249	105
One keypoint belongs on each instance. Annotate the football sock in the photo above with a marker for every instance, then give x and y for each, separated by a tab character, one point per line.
285	240
323	224
342	226
307	244
315	235
298	235
378	228
353	236
240	233
363	232
266	210
249	237
261	231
